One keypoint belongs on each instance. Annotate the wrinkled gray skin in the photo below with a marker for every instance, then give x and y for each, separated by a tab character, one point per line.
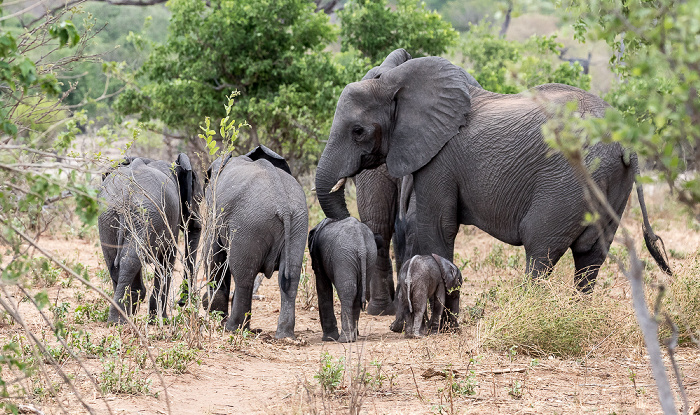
343	255
479	158
378	196
147	202
426	278
261	226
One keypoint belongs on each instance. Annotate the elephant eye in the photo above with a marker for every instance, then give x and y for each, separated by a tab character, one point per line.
357	130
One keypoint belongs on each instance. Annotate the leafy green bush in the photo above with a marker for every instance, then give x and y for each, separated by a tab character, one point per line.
177	358
375	29
509	67
330	372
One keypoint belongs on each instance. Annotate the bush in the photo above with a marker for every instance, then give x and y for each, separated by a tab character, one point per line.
549	317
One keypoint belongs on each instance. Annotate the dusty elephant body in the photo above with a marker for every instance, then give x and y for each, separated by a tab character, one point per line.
343	255
426	278
260	225
147	203
479	158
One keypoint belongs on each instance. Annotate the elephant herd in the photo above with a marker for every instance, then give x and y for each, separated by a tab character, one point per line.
429	150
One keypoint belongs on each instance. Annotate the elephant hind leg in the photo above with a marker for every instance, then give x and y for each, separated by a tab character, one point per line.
588	261
540	263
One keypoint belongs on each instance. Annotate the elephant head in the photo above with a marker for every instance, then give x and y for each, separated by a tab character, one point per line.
451	275
401	114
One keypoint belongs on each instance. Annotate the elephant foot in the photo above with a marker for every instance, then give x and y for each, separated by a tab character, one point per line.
331	337
282	334
397	326
218	303
347	338
414	335
381	309
115	317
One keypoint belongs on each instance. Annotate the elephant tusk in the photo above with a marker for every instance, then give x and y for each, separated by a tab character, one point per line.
338	185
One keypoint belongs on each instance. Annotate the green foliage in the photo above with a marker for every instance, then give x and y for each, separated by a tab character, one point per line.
272	52
330	373
375	29
656	56
509	67
177	358
120	378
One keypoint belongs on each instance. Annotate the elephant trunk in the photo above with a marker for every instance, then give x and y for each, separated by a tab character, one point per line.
330	190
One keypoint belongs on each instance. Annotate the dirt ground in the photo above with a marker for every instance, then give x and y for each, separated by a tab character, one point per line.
262	375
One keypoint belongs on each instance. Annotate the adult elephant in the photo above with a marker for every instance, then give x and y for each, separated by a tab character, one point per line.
378	206
479	158
147	202
260	221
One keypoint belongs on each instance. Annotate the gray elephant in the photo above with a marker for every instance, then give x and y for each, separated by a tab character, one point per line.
426	278
260	223
343	255
146	203
378	206
479	158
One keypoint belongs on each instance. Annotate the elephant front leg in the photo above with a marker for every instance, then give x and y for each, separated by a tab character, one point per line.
437	215
216	299
401	313
450	318
161	285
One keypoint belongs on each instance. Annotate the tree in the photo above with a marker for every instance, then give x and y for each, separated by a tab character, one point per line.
376	30
509	67
657	60
270	51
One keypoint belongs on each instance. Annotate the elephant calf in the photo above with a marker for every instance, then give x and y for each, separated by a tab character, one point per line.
423	278
344	254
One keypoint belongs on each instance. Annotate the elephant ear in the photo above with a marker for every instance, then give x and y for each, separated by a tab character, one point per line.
185	180
262	152
450	273
393	60
431	102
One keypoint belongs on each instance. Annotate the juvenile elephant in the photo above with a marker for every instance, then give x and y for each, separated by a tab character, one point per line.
147	202
344	254
259	225
426	278
479	158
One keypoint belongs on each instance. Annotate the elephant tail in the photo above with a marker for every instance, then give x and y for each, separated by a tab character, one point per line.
363	268
654	243
284	268
120	243
408	285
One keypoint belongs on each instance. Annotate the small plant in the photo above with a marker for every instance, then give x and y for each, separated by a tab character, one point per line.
496	257
91	312
177	358
677	254
119	378
466	386
330	372
516	389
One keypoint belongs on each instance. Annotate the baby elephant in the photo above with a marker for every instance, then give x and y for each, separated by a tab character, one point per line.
343	253
423	278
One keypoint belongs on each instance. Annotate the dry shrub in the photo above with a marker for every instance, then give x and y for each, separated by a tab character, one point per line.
550	317
682	299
